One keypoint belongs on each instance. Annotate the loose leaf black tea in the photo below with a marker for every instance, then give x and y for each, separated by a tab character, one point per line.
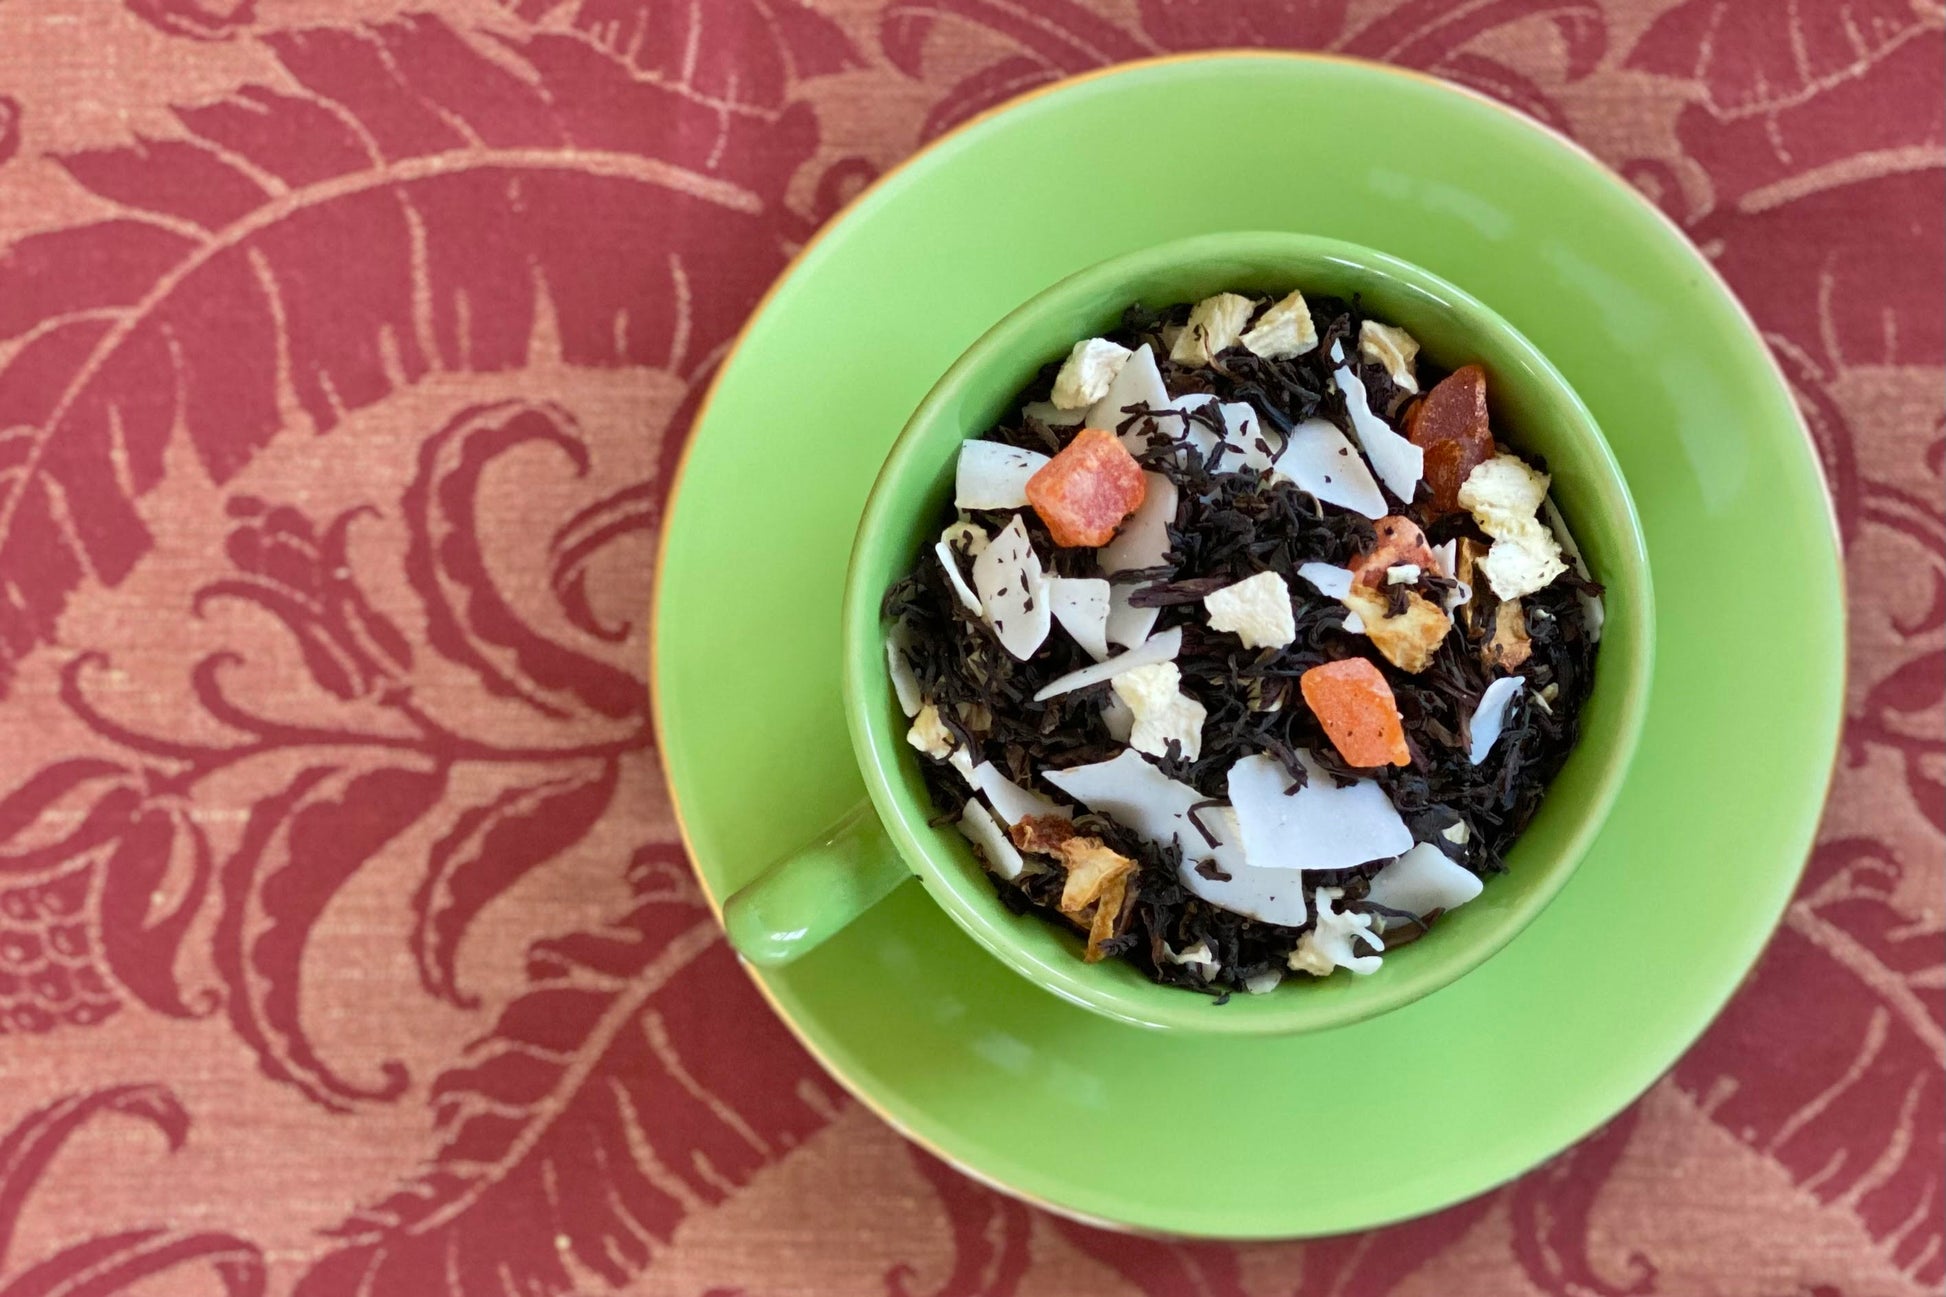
1220	701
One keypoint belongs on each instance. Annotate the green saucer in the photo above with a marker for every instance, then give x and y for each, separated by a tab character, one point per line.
1236	1137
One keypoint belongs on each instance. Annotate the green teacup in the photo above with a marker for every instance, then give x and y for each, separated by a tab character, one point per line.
810	895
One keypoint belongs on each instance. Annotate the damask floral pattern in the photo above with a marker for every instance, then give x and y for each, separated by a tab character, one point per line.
345	353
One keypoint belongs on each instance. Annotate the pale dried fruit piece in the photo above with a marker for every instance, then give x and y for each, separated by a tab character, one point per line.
1503	492
981	830
1256	609
1489	718
1162	713
1108	918
930	735
1523	559
1088	372
1421	881
1451	426
1083	493
1283	330
1391	347
1096	889
1509	647
1330	946
1042	834
994	475
1092	867
1215	324
1318	459
1409	640
1354	704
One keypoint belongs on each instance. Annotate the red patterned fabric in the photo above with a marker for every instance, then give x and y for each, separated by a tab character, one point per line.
345	349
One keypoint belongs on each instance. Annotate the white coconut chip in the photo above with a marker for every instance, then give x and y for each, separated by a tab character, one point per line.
1200	436
1053	415
1270	895
1422	880
1143	540
950	561
1132	792
905	684
1321	826
993	475
1128	625
1010	801
1263	983
1013	591
1195	957
1243	434
1331	581
1081	605
1354	624
1142	543
1593	613
1321	461
981	830
1402	574
1139	383
1446	559
1398	463
1157	648
1331	944
1490	717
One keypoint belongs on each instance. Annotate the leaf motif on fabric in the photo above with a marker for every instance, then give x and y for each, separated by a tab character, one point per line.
9	128
605	1105
303	252
35	1140
581	541
491	847
468	617
87	857
1854	1110
301	845
741	56
1552	1209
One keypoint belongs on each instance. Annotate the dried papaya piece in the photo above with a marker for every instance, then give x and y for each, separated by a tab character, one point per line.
1355	705
1085	492
1400	543
1450	426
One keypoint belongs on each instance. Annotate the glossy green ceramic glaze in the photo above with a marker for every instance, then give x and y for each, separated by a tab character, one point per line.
1605	988
816	892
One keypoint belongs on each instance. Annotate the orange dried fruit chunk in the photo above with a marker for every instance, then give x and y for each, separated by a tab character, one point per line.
1355	705
1450	425
1399	542
1083	493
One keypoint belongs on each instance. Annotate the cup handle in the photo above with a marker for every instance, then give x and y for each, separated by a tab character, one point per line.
803	899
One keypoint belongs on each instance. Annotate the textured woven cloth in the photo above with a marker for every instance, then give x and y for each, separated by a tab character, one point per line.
345	942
